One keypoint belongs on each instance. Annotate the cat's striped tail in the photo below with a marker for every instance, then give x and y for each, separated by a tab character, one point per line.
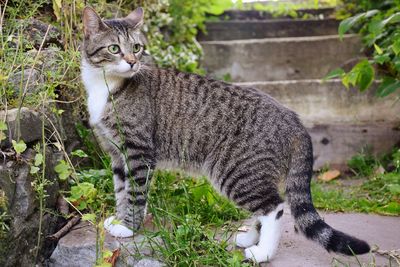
307	219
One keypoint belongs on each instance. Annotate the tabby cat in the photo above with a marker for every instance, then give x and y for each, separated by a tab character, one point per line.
241	138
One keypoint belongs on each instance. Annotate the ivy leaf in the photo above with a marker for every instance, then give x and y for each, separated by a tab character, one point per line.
339	72
388	86
347	24
38	159
19	147
79	153
63	170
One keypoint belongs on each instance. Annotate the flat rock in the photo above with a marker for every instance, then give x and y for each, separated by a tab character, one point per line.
273	59
78	249
29	127
341	121
258	29
297	251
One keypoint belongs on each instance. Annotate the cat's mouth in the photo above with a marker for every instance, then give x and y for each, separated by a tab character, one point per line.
125	70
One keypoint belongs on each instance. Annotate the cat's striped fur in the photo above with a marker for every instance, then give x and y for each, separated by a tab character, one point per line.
244	140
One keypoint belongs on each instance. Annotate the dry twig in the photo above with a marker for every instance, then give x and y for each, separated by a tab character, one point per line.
73	221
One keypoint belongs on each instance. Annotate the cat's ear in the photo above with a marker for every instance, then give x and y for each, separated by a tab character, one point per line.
135	18
92	23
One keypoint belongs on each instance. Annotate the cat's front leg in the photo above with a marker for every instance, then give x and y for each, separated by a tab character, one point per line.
115	224
140	171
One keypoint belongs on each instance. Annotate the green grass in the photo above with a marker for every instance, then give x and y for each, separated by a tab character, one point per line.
377	193
193	222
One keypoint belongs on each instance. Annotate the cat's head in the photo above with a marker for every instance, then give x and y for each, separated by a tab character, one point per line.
115	46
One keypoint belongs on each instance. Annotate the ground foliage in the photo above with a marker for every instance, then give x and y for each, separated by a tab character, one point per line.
378	23
377	189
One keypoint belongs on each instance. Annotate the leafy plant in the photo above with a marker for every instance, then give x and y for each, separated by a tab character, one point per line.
380	31
363	164
171	28
193	222
379	193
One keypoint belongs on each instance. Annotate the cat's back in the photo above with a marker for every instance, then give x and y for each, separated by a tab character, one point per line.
193	94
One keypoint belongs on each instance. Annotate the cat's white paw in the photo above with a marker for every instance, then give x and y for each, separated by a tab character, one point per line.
117	230
245	240
257	253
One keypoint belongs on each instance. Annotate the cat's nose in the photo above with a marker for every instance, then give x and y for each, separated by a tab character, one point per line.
130	59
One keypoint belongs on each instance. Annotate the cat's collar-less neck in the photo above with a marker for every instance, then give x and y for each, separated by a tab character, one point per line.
98	87
92	75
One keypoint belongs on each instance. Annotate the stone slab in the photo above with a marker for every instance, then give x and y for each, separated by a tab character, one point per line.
265	15
318	101
297	251
237	30
78	249
341	121
30	125
272	59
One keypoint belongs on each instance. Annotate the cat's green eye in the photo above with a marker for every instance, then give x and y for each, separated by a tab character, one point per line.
136	48
114	49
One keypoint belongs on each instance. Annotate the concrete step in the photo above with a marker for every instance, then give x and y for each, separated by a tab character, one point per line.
265	15
341	122
271	59
237	30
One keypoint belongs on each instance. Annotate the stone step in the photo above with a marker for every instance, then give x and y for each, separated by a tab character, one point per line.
290	58
341	122
265	15
237	30
78	248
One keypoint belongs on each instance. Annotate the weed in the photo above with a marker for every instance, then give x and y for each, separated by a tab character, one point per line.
363	163
379	193
192	221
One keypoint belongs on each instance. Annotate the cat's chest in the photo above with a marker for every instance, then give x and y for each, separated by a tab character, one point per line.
97	91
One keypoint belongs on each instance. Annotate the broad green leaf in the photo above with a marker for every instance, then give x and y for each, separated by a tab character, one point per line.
347	24
362	75
391	19
378	49
339	72
366	75
388	86
91	217
38	159
63	170
350	78
19	147
218	7
34	169
396	46
79	153
380	59
3	126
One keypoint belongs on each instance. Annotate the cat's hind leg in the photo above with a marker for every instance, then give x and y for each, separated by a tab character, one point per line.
270	233
249	238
